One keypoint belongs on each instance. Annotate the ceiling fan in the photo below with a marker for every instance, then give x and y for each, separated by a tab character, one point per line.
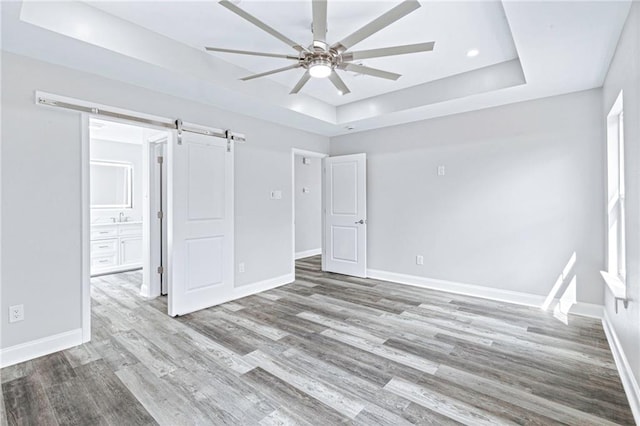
321	60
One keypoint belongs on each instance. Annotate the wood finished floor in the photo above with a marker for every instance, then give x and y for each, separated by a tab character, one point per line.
324	350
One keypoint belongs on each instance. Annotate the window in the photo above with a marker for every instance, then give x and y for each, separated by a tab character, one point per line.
616	259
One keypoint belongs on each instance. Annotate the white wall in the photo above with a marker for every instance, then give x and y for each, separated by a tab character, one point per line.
126	153
522	192
308	213
41	239
624	74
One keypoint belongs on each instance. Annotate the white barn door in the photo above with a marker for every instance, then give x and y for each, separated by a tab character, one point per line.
200	222
345	185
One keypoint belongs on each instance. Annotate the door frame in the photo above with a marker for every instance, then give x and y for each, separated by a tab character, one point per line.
312	154
154	239
148	232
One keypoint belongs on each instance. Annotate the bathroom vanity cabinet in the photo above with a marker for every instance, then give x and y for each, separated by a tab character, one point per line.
116	247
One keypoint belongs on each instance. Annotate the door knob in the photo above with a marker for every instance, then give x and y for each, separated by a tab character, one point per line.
361	222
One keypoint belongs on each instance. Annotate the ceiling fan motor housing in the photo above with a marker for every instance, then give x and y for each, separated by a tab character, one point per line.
320	54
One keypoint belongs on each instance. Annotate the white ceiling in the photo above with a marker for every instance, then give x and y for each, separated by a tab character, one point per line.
456	27
528	50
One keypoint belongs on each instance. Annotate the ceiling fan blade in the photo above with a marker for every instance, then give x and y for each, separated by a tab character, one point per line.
303	80
361	69
246	52
388	51
319	26
337	81
262	74
384	20
258	23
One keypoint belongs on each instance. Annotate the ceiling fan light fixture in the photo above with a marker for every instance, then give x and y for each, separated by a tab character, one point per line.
320	68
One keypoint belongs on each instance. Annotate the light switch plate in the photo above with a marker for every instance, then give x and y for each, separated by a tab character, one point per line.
276	195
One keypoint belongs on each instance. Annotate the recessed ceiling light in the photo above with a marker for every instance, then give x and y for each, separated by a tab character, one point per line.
473	52
340	92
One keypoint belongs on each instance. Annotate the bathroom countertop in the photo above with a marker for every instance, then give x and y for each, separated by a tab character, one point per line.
130	222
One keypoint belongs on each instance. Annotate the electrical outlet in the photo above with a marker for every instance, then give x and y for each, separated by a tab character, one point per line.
16	313
419	260
441	171
241	267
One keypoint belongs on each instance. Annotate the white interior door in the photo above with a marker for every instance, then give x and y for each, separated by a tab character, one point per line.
345	185
200	222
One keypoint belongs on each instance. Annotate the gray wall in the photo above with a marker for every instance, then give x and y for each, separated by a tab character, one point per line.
624	74
522	191
308	205
121	152
41	200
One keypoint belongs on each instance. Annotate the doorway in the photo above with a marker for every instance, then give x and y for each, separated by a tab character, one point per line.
330	229
307	184
127	199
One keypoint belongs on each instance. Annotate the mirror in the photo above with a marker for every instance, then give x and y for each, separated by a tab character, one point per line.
111	185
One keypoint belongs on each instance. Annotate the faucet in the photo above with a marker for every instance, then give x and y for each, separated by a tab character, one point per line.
121	217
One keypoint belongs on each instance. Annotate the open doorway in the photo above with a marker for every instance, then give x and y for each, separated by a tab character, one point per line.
307	207
329	211
127	235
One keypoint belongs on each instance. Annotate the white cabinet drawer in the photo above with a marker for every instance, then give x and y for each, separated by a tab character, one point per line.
100	232
133	229
106	261
104	247
115	247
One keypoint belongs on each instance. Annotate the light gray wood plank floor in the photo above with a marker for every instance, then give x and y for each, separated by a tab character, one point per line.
326	349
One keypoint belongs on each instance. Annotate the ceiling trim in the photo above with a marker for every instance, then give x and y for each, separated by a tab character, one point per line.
482	80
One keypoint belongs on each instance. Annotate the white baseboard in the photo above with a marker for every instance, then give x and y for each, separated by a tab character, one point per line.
308	253
145	291
629	382
40	347
527	299
459	288
260	286
587	310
